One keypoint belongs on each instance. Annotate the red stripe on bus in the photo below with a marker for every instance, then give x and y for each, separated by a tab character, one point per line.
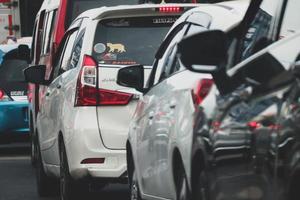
4	1
10	24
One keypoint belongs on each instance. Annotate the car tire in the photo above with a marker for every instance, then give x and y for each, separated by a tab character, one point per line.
33	153
69	189
46	186
134	187
33	150
200	188
182	191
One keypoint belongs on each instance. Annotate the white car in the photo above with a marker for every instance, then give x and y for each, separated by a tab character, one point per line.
82	125
159	153
165	158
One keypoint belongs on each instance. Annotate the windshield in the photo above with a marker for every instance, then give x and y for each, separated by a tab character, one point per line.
130	41
79	6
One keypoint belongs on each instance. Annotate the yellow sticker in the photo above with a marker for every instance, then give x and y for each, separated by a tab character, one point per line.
119	48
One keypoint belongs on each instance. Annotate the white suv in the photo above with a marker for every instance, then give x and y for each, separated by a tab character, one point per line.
82	125
159	147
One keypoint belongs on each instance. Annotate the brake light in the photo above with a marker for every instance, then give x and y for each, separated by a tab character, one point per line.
201	90
170	9
88	92
1	94
253	125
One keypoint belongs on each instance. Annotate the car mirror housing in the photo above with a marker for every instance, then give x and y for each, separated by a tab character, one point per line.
36	74
204	52
132	76
24	52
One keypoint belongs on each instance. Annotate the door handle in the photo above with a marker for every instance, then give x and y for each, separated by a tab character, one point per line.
172	104
58	86
151	115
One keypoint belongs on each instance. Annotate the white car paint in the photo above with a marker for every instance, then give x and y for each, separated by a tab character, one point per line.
89	131
165	115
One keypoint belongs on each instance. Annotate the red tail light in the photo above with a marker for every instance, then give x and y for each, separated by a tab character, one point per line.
4	96
170	9
201	90
1	94
253	125
88	92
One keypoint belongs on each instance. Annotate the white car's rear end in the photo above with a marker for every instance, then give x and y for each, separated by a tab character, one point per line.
115	38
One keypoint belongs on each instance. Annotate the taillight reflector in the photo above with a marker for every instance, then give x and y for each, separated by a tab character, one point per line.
1	94
201	90
93	161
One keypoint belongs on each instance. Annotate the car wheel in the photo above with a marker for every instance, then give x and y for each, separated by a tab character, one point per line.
46	186
32	145
182	191
69	189
33	150
134	187
200	189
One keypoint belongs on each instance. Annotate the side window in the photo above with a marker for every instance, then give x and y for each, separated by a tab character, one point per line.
291	22
48	30
39	38
33	43
76	52
65	52
172	64
66	59
260	29
167	60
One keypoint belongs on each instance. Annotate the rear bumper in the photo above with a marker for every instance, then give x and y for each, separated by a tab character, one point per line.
86	143
13	119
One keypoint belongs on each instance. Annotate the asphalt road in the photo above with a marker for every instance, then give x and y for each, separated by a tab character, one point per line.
17	178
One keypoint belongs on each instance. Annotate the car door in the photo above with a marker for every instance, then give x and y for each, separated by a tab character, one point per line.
146	147
174	105
50	110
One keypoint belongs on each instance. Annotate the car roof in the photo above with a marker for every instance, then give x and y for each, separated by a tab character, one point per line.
224	15
128	10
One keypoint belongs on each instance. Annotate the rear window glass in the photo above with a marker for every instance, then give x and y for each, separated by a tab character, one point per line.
130	41
11	70
79	6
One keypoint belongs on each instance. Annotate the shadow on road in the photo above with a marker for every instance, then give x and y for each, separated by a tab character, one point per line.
18	181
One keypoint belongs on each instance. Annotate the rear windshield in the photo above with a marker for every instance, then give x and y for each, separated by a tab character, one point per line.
79	6
11	70
130	41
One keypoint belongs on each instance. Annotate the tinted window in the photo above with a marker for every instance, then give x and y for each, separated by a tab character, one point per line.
76	53
48	32
260	29
79	6
11	70
66	56
130	41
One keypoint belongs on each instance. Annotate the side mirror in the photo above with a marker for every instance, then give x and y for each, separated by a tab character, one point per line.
36	74
24	52
204	52
132	76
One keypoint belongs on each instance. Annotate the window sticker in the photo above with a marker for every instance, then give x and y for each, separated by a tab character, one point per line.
100	48
119	48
